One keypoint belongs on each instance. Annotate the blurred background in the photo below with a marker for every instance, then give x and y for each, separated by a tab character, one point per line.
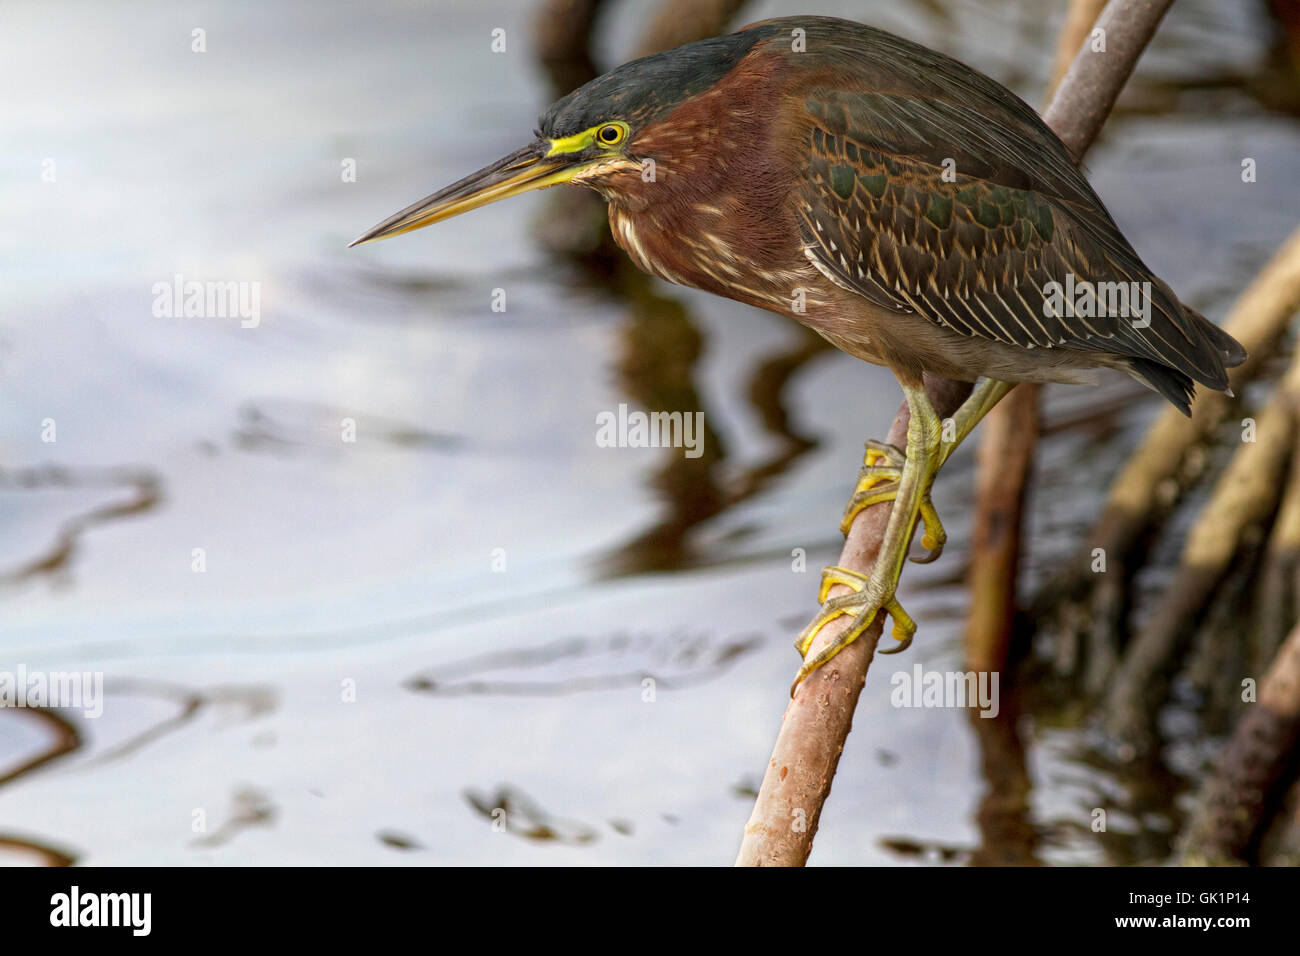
363	652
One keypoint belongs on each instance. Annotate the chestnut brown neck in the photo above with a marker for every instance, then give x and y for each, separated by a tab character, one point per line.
723	224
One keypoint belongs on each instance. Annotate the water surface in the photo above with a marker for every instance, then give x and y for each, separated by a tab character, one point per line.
456	613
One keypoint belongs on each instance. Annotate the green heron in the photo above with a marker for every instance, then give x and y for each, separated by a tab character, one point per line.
912	211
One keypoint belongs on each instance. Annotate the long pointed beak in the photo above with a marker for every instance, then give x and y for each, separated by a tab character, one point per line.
520	172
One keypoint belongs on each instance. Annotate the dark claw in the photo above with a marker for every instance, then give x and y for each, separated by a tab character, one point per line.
928	555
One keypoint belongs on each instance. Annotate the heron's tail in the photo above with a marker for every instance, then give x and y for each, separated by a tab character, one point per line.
1178	386
1233	353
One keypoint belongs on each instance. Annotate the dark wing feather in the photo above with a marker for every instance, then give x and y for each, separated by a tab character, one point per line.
976	250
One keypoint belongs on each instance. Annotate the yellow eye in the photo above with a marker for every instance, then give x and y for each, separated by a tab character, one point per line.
610	135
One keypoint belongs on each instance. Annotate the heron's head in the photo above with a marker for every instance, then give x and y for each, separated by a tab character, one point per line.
595	135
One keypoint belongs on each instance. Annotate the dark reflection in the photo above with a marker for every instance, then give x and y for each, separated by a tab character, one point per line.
921	852
46	854
146	494
644	663
64	739
373	292
660	349
249	808
248	702
510	810
661	342
1008	836
1129	814
285	426
398	841
658	364
1140	800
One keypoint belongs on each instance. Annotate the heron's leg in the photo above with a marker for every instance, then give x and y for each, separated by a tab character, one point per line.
908	484
878	481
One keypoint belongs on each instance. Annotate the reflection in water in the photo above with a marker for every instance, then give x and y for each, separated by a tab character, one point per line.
1141	798
65	738
249	808
661	348
280	426
398	841
131	375
921	852
248	702
511	811
576	665
1004	817
17	850
1142	802
1008	836
146	489
661	342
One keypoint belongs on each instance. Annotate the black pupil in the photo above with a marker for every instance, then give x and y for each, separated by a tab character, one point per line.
609	134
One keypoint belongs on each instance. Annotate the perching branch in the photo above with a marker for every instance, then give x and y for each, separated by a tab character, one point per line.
818	719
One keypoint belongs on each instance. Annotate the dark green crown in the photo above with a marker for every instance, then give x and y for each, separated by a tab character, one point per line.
639	91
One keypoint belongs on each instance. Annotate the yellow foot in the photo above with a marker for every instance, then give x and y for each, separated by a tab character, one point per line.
878	481
869	597
905	479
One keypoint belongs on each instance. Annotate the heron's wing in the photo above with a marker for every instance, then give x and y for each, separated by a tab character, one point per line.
982	227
